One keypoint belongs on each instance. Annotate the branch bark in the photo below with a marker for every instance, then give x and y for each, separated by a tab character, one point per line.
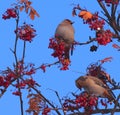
103	111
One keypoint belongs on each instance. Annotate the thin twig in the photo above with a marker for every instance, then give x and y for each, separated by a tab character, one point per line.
116	5
16	67
16	39
104	9
60	102
21	100
48	65
103	111
24	49
116	104
111	19
84	43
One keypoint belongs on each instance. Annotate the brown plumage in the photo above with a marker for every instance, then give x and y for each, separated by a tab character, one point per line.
65	32
95	86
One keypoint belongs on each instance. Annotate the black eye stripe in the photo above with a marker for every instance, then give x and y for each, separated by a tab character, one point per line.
68	21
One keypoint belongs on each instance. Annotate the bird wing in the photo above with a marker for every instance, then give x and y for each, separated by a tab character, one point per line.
72	48
98	81
102	84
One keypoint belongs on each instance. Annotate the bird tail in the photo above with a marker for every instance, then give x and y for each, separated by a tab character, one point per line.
112	98
67	51
109	95
72	47
67	55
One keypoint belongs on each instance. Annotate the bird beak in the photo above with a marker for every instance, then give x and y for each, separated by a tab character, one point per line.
72	22
80	88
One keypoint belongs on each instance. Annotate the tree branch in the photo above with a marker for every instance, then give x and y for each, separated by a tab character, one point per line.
84	43
21	100
103	111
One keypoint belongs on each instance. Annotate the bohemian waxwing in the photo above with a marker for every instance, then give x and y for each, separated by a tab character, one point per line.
95	86
65	33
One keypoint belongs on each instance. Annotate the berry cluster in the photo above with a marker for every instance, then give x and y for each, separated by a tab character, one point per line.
97	70
109	2
9	76
6	79
22	84
59	51
88	102
23	69
94	69
46	111
95	23
57	47
10	13
17	93
26	32
70	105
65	64
43	67
104	37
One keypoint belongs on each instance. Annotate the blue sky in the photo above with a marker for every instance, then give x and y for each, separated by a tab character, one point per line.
52	12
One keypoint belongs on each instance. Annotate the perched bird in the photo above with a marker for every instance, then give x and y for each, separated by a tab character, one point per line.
65	33
95	86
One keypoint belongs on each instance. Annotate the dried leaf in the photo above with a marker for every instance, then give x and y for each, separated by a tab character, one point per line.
21	8
116	46
32	15
106	76
29	9
106	59
22	1
37	14
30	95
85	15
34	11
34	103
29	3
